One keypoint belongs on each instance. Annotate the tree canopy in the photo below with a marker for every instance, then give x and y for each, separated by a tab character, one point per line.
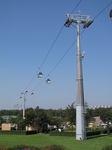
41	117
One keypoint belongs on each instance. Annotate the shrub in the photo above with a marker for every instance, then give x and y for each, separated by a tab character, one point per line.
107	148
56	147
3	148
53	147
23	147
104	131
88	129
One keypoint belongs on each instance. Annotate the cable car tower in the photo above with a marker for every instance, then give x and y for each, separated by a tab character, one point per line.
80	114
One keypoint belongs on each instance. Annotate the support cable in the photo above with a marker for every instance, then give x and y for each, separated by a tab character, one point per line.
76	7
66	51
62	57
49	53
102	11
56	64
72	44
51	48
46	56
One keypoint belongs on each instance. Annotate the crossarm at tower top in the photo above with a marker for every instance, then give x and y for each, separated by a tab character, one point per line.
84	19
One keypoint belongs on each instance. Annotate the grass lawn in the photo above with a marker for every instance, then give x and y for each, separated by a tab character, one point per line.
41	140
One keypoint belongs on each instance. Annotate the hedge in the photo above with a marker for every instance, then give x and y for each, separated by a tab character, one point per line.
18	132
57	133
93	133
107	148
31	132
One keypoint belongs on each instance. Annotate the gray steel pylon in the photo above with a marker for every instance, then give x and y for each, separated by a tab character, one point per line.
80	111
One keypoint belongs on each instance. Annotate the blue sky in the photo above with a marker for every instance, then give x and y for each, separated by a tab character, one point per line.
28	29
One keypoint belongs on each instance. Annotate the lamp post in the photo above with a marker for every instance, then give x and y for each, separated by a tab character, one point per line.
24	103
24	93
80	115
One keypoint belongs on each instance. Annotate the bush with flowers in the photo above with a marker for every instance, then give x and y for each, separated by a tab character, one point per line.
24	147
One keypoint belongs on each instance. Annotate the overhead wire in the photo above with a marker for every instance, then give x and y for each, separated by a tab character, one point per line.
70	46
31	80
102	10
58	62
57	37
46	56
75	7
62	57
49	53
100	13
65	53
51	48
67	49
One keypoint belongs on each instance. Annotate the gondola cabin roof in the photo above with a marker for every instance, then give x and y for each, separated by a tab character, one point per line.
110	14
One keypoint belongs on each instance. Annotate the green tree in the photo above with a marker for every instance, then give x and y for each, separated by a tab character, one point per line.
20	121
56	121
41	120
1	120
22	124
71	114
30	117
89	116
12	120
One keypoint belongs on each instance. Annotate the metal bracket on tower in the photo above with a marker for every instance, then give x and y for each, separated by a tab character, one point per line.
84	19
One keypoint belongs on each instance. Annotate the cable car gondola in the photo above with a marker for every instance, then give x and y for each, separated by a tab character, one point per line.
32	93
48	81
110	14
40	74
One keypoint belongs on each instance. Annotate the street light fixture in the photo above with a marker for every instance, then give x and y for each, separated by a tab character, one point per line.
24	103
26	92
